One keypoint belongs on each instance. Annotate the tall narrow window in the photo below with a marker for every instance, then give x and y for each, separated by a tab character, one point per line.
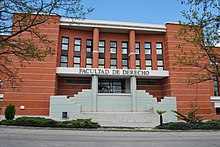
124	63
88	62
89	46
147	46
64	52
216	86
137	48
159	48
148	64
101	63
113	47
137	64
124	48
101	46
65	43
160	64
113	63
76	61
77	45
63	61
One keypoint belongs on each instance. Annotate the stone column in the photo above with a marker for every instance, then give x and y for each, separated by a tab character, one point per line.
95	53
133	93
131	54
94	92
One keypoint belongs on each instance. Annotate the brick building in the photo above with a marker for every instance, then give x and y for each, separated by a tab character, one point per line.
107	66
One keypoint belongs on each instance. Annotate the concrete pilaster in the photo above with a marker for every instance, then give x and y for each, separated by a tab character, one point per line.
94	92
133	94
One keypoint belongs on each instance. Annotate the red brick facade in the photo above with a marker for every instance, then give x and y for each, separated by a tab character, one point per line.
41	81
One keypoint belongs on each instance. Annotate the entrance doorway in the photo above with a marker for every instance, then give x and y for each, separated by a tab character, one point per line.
111	86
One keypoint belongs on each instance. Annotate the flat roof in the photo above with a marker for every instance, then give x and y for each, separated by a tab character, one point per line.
103	24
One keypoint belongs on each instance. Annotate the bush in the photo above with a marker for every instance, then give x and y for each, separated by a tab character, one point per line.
45	122
35	122
212	125
10	112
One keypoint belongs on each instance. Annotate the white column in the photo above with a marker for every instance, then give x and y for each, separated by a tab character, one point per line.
133	94
94	92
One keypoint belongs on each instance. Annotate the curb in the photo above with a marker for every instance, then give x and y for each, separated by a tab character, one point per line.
107	129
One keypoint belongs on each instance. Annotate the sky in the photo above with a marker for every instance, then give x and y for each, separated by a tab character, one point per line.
140	11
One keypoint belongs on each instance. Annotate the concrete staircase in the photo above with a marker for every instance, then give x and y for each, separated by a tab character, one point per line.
121	119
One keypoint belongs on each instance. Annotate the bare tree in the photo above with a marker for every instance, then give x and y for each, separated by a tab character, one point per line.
17	19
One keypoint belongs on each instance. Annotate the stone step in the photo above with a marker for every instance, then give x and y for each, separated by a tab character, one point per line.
121	119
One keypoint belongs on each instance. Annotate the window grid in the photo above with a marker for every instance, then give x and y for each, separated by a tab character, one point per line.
113	63
63	61
124	64
216	86
148	64
89	62
76	62
77	45
137	48
124	48
65	44
101	46
101	63
159	48
137	64
147	46
113	47
89	46
159	64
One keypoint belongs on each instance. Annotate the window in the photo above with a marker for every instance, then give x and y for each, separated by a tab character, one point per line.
159	48
101	63
216	86
65	44
147	47
137	64
88	62
113	47
76	61
111	86
124	48
63	61
137	48
101	46
88	46
113	63
148	64
124	64
77	45
160	64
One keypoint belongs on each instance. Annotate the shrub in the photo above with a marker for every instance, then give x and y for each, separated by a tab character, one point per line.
35	121
175	126
45	122
10	112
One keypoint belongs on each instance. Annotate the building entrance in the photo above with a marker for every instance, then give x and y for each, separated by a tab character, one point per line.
111	86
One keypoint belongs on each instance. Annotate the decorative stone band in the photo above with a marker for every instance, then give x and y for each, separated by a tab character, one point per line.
70	71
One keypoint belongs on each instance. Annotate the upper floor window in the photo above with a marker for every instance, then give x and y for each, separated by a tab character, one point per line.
148	64
77	45
124	48
76	61
101	46
101	63
216	86
113	47
159	48
147	47
88	62
137	64
113	63
160	64
137	48
63	61
124	64
88	46
65	43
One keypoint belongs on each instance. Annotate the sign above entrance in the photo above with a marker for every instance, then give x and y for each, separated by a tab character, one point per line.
111	72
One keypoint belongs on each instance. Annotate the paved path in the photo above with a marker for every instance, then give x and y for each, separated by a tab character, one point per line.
19	137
